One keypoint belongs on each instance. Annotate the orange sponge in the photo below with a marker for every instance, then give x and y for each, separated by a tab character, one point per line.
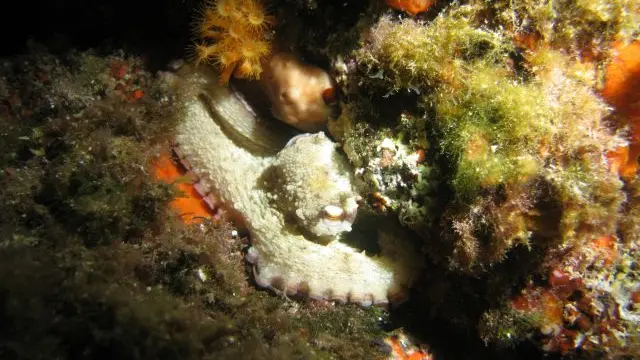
622	81
412	7
190	206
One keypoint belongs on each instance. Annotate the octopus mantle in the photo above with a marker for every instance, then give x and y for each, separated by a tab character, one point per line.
284	258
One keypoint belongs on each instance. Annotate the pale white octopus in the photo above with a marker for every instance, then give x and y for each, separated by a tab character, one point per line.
296	199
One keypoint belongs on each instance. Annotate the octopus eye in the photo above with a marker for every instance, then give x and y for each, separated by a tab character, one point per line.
333	212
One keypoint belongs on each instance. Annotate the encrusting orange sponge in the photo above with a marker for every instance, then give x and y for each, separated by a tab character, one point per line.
235	36
412	7
190	206
622	80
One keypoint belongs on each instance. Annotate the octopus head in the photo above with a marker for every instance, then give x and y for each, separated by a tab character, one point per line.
313	185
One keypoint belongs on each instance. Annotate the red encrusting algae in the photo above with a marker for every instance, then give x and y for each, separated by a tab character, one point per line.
622	80
569	316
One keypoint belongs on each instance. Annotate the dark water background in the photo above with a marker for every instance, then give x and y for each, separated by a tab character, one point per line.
158	29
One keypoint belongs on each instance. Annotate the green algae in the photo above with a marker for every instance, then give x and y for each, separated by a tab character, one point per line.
506	328
409	55
575	25
506	129
515	177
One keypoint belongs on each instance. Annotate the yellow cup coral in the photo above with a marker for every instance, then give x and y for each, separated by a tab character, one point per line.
235	36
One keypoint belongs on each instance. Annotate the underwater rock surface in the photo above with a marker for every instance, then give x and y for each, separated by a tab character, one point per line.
504	135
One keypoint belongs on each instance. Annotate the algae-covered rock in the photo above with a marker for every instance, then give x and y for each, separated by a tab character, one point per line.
519	139
493	145
476	124
95	264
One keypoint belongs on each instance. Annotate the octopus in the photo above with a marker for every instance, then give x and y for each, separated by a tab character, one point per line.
295	195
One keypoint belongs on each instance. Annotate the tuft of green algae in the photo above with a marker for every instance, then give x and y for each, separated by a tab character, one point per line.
583	26
510	133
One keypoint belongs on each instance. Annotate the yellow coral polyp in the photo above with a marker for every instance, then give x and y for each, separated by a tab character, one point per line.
255	49
256	19
228	58
204	52
226	8
249	70
235	35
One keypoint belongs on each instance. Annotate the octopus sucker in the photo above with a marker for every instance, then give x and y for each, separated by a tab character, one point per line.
297	201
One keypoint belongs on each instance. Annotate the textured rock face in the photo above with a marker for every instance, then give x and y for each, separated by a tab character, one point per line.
312	197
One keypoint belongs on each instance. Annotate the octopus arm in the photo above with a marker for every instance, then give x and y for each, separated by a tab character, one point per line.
283	259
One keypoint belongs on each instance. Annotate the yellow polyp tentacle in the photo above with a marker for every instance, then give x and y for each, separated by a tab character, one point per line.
255	18
256	68
239	30
212	34
248	50
269	21
253	9
209	18
261	23
243	69
218	22
225	7
204	53
226	73
228	58
249	69
262	47
255	49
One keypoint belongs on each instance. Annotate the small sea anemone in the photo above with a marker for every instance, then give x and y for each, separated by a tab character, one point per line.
234	35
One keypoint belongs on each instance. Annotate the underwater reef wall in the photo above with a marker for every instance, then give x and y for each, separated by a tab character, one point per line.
514	149
503	135
481	127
